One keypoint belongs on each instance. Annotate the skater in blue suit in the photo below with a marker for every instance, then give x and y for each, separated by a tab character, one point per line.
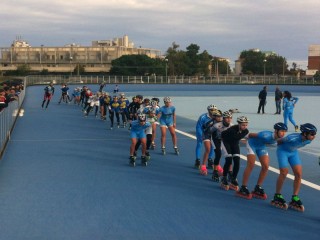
288	105
137	132
167	119
256	145
287	153
203	119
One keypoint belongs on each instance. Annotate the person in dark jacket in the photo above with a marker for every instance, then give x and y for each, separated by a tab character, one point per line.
262	99
278	97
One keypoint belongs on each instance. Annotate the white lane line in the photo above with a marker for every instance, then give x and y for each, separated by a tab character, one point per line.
272	169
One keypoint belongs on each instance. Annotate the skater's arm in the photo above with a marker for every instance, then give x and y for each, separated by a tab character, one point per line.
253	135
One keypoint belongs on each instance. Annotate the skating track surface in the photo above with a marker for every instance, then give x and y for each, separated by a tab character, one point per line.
64	176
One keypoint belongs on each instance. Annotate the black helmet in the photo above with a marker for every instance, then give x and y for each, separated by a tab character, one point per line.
280	126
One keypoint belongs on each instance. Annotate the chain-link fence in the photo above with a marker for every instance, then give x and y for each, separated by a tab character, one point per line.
222	79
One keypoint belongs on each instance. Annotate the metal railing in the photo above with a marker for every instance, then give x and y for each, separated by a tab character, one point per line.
8	117
221	79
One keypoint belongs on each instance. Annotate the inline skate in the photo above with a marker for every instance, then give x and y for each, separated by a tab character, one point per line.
259	193
244	193
279	202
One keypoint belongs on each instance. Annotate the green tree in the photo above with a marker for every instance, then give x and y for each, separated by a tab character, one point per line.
142	65
193	59
257	62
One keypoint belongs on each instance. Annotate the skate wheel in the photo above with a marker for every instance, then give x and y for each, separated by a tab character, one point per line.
284	206
248	197
263	197
235	188
297	208
224	187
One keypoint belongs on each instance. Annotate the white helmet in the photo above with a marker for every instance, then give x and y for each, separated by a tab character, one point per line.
167	99
242	119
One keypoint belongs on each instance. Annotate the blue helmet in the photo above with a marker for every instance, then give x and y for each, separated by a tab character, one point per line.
308	128
280	126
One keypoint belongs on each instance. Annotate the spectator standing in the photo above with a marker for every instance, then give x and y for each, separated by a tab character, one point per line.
278	97
262	99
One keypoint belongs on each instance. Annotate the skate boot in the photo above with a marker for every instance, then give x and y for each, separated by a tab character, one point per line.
153	145
176	150
230	176
132	161
210	163
163	150
118	125
215	176
144	161
296	128
234	185
244	193
296	203
224	183
111	126
197	163
258	192
220	170
124	124
279	202
203	170
148	157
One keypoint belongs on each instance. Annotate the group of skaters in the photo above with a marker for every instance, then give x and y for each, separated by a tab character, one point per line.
221	137
215	131
141	115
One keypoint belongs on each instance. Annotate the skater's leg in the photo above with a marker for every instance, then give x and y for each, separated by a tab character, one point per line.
149	141
282	176
251	158
154	128
173	135
227	164
207	148
236	165
297	171
264	160
48	103
143	146
163	136
132	147
137	145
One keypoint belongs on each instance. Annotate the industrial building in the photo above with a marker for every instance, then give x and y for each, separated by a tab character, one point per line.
95	58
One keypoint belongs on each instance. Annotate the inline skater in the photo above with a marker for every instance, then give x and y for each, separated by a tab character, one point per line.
137	132
256	145
288	105
206	138
167	118
114	109
218	128
287	154
230	143
48	94
204	118
124	103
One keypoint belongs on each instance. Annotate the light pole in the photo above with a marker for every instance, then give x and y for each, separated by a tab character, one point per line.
217	70
70	65
166	61
264	69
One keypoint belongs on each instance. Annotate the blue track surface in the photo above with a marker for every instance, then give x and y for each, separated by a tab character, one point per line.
67	177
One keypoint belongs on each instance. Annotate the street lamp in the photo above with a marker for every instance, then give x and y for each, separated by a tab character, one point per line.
264	69
166	61
71	58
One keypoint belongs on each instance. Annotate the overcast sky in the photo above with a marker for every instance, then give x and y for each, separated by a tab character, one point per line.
223	28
